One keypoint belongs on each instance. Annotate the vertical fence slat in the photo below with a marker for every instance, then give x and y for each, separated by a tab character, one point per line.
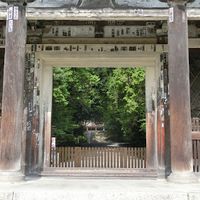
90	157
137	156
71	156
62	159
85	157
108	157
198	152
65	149
143	157
120	158
68	157
145	153
92	161
114	157
194	155
56	157
140	156
111	157
52	157
96	156
101	158
117	159
104	157
128	157
133	157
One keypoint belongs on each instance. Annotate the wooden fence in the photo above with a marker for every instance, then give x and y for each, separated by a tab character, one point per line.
196	124
196	144
98	157
196	155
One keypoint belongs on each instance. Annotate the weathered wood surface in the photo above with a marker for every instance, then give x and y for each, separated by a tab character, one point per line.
179	90
196	124
166	130
161	138
196	155
196	144
96	4
98	157
151	157
32	117
28	89
1	79
13	86
163	133
47	139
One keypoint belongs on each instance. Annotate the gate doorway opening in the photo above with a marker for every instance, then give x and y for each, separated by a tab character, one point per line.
98	118
101	56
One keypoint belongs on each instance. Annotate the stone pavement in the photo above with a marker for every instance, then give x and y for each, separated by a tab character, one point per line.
97	189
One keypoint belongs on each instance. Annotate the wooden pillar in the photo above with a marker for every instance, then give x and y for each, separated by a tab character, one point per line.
32	116
161	139
47	112
162	99
151	155
179	91
13	86
1	78
150	140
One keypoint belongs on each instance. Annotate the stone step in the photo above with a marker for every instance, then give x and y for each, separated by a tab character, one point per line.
100	173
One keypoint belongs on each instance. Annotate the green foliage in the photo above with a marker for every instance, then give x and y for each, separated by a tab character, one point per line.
126	107
112	96
74	95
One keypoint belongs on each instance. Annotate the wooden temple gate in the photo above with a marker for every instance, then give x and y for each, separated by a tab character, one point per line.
112	158
167	83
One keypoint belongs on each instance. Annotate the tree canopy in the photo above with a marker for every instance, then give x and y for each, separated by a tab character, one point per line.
113	96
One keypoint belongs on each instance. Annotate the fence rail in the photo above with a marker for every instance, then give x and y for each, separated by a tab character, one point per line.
98	157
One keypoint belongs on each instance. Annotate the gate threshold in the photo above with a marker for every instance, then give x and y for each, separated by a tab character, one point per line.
100	173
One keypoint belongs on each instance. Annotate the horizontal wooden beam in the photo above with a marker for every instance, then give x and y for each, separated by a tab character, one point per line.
101	14
132	40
